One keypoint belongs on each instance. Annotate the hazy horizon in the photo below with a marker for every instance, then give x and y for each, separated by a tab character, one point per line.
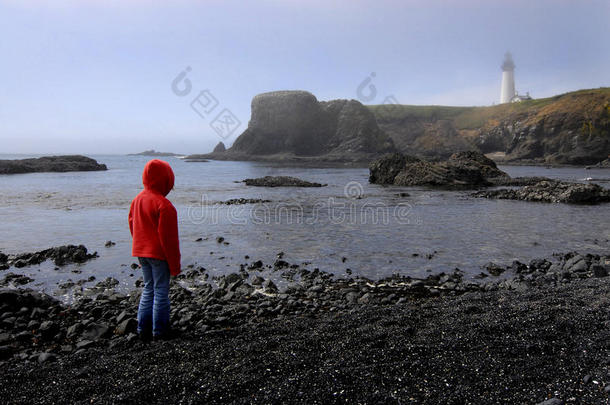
96	77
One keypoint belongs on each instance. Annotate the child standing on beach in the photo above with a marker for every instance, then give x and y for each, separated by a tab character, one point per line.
153	224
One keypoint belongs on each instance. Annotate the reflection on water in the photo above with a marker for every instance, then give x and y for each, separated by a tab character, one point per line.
376	230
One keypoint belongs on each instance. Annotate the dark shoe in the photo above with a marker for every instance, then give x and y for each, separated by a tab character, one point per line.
169	335
145	337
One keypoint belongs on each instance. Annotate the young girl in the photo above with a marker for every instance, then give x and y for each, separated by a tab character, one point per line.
153	224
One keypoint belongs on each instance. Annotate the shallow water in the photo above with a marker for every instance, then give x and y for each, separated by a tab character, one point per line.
372	227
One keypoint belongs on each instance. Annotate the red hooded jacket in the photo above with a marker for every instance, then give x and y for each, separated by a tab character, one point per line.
153	221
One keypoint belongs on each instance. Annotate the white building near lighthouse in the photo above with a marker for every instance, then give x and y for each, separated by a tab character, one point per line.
507	92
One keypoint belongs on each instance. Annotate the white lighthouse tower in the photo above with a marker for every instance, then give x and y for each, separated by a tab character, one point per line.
508	79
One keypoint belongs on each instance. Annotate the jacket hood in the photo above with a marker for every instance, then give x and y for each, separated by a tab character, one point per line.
158	176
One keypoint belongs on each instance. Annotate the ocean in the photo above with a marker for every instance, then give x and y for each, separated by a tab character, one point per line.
374	231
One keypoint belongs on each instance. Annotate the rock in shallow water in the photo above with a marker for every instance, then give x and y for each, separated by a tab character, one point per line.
67	163
280	181
60	255
551	191
242	201
462	169
15	279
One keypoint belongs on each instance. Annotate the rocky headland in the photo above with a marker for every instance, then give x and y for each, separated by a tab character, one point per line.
538	331
293	126
67	163
568	129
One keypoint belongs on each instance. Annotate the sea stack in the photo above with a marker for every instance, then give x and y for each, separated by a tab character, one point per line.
295	122
219	148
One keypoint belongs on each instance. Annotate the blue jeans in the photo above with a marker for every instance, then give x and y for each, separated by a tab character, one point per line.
153	312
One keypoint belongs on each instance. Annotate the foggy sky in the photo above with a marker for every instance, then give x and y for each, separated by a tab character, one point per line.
96	76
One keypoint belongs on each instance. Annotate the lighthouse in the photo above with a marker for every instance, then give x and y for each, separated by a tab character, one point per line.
508	79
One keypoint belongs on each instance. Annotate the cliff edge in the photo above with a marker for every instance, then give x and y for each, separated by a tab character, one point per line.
572	128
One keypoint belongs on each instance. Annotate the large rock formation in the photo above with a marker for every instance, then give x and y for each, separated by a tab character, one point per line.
294	125
219	148
573	128
553	191
462	169
68	163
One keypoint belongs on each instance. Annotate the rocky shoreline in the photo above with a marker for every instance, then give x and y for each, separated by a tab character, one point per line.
242	339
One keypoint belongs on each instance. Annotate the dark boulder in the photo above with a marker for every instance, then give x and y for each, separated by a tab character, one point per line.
60	255
481	163
126	327
494	269
48	329
95	331
17	299
270	287
552	191
385	169
46	357
280	181
470	169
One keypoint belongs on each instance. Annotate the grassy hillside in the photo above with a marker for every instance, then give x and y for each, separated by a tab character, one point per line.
545	126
